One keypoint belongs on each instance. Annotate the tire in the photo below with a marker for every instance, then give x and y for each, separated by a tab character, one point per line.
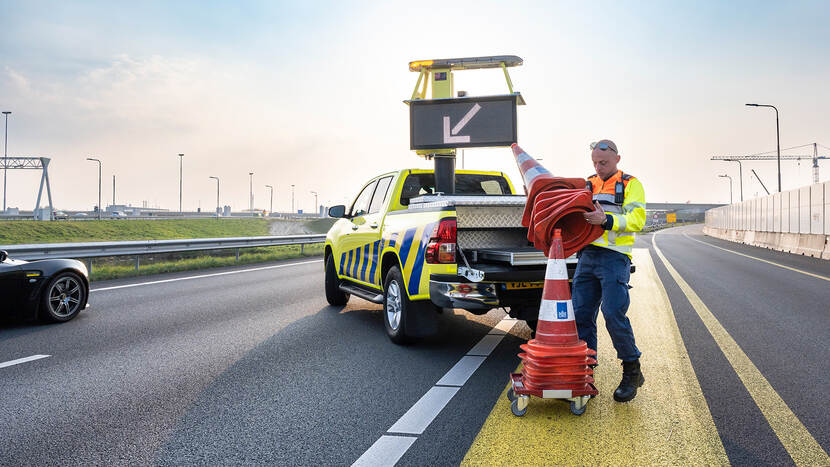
334	295
63	297
396	306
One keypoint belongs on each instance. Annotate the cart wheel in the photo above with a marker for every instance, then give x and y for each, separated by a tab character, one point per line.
511	396
514	407
576	409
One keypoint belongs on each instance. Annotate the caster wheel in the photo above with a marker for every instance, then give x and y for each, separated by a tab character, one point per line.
514	407
576	410
511	396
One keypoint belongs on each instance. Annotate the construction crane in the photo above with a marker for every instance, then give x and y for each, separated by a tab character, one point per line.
788	157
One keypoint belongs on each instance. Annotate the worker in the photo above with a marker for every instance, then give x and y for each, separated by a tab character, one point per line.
604	266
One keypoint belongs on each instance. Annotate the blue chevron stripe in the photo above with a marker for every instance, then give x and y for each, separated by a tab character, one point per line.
348	271
365	262
342	263
415	276
356	262
374	261
406	245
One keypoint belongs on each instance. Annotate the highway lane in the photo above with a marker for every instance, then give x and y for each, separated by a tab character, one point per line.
779	317
254	367
248	367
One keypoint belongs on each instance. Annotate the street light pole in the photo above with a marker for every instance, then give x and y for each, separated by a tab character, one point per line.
99	184
181	156
730	186
272	198
292	199
5	157
252	193
740	176
217	194
777	138
316	207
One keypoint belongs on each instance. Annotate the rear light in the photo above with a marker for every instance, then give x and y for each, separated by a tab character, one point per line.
441	246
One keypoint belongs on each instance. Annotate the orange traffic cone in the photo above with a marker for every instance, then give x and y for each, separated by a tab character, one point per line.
555	203
555	363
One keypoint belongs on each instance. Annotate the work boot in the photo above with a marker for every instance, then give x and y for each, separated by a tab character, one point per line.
631	380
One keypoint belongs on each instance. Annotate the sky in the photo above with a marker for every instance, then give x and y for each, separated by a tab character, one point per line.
311	93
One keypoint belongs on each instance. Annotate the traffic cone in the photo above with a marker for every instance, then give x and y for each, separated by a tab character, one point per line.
555	203
556	363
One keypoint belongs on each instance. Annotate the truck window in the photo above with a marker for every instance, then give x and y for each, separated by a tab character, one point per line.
381	192
465	184
361	204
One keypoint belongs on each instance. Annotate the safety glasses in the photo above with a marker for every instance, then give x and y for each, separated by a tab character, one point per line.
603	146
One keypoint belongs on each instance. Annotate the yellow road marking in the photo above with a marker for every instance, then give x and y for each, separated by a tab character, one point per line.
817	276
667	424
799	443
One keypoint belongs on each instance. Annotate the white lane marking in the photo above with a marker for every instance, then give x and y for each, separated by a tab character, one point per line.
486	345
22	360
423	412
420	415
461	371
201	276
386	451
817	276
504	326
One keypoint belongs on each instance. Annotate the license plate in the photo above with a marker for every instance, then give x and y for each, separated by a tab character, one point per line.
525	285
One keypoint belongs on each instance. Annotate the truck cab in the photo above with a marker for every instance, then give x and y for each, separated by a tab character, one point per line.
417	252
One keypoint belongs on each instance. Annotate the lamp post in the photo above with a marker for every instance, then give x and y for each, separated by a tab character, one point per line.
181	156
740	176
730	186
217	194
316	207
777	138
99	184
5	157
251	174
272	198
292	199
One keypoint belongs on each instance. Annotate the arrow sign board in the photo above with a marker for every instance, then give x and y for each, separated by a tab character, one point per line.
467	122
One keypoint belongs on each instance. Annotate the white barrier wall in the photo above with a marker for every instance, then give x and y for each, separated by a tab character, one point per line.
802	211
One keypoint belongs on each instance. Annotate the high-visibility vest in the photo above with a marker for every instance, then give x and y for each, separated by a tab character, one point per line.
623	199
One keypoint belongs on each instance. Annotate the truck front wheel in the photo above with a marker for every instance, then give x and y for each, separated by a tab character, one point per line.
396	305
334	295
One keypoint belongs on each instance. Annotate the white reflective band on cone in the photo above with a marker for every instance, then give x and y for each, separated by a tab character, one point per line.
556	310
534	172
557	270
523	157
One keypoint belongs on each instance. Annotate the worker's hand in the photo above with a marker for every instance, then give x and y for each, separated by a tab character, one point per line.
597	216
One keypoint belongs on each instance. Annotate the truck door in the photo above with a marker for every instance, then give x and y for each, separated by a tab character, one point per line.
349	239
366	237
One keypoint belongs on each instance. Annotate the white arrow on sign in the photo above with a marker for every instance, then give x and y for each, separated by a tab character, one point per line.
458	126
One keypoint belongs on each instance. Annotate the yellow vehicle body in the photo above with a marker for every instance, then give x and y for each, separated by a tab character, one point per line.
366	245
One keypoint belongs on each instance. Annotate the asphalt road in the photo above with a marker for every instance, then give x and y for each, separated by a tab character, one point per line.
254	367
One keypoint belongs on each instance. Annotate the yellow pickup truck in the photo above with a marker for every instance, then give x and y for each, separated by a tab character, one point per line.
419	252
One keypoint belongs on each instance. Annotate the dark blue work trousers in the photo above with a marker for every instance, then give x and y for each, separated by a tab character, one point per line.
602	275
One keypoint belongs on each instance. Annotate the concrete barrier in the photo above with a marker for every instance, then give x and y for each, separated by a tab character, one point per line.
811	245
826	254
789	242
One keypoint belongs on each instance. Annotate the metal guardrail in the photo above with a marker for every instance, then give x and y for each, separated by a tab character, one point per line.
31	252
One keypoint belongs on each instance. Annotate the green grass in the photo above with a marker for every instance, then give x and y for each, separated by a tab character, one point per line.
17	232
113	268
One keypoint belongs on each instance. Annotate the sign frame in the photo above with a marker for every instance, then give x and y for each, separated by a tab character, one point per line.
461	100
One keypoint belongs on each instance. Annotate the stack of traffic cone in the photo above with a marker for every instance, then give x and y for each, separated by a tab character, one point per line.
555	203
556	362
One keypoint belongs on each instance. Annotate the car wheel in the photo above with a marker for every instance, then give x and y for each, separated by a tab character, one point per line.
63	297
334	295
396	305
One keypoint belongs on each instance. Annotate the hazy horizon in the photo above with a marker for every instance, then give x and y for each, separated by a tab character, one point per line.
311	94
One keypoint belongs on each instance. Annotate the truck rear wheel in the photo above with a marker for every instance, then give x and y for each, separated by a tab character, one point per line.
396	306
334	295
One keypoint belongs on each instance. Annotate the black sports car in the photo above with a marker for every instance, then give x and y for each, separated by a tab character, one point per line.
51	289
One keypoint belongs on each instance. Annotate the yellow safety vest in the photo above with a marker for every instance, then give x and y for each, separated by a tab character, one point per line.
622	197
